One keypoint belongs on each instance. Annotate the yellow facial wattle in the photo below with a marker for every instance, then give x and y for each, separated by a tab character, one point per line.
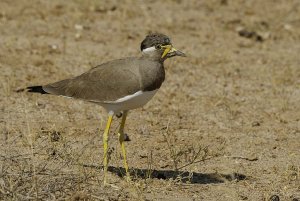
168	48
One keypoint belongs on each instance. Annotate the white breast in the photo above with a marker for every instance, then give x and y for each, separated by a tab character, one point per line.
129	102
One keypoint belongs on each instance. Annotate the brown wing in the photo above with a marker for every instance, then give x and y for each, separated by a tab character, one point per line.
106	82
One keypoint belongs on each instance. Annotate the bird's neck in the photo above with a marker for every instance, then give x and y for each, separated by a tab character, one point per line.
153	57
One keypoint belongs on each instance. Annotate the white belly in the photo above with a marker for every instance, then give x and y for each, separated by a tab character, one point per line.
129	102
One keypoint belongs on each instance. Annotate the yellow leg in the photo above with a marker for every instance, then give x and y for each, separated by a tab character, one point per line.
121	140
105	145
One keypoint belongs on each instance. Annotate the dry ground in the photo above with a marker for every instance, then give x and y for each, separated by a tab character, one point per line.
224	126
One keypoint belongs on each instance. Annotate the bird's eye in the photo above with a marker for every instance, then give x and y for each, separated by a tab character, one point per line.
158	47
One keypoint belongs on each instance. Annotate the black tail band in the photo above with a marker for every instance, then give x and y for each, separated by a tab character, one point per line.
36	89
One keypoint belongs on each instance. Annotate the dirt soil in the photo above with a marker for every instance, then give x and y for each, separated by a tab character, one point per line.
225	125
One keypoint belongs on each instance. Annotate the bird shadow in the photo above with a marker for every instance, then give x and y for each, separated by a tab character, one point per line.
183	176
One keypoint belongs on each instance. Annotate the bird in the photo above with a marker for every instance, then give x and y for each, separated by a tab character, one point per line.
118	86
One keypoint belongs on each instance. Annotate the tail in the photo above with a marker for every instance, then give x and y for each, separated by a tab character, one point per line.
33	89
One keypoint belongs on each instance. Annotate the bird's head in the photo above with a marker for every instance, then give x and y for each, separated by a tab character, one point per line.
159	46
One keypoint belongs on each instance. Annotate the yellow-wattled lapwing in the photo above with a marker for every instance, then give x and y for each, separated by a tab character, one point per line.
119	85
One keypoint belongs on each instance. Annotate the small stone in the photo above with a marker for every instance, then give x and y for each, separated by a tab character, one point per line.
255	123
274	198
126	137
54	47
78	27
119	115
243	197
288	27
77	35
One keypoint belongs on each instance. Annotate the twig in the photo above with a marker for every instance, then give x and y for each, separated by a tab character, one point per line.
242	157
194	162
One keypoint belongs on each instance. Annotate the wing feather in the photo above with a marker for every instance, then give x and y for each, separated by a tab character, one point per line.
106	82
